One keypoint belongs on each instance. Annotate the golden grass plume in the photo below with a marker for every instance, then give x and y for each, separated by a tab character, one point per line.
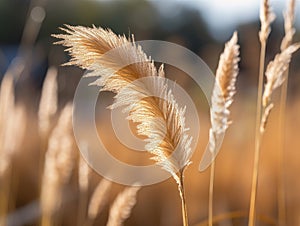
48	102
266	18
122	206
58	164
222	98
161	121
99	198
289	30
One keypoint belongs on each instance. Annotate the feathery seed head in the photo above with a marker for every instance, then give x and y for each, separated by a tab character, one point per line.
266	18
222	98
99	198
289	19
122	206
275	71
48	102
161	120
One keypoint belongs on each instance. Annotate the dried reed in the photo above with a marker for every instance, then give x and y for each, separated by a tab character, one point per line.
12	128
47	109
160	120
222	98
275	75
48	102
289	19
122	206
266	18
98	200
7	99
58	165
83	181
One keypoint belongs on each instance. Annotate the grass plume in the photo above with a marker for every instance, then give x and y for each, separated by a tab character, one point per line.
98	199
222	98
48	102
58	165
83	182
122	206
266	18
162	121
12	130
275	75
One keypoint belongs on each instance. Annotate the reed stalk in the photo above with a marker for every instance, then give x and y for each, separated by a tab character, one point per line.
266	18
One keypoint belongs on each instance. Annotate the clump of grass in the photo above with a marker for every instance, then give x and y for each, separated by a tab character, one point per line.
275	75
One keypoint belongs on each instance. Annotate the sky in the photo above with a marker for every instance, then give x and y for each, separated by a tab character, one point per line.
223	16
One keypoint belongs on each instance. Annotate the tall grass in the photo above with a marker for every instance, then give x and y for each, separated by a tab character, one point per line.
266	18
289	19
222	98
275	75
153	115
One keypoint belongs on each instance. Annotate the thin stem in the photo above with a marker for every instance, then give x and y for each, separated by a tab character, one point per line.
183	201
46	221
4	195
281	189
211	193
82	207
258	135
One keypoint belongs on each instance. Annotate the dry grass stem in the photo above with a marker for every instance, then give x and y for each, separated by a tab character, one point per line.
222	98
161	120
48	102
83	181
275	77
99	199
83	175
87	47
58	165
289	19
266	18
122	206
12	123
7	99
12	128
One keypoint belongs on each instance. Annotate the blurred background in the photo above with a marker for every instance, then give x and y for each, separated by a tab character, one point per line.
201	26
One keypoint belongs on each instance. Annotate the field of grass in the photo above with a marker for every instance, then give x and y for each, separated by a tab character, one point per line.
45	181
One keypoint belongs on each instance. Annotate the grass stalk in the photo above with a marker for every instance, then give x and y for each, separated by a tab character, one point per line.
281	174
183	200
211	193
4	197
82	208
258	135
289	19
46	221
